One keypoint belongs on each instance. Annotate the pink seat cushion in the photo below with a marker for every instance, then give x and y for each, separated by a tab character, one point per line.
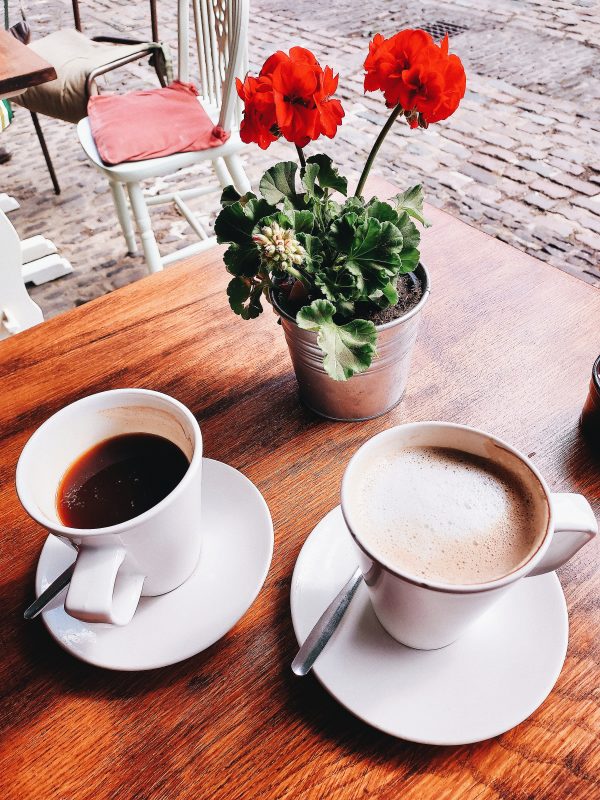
151	124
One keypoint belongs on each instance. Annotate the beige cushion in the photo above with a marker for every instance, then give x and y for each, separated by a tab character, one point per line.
73	56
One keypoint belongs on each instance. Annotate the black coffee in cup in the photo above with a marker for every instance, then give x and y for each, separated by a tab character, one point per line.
118	479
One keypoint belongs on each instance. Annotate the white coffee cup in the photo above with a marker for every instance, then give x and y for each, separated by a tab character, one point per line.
150	554
426	614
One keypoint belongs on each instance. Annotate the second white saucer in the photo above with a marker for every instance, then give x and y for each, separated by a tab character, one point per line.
487	682
236	553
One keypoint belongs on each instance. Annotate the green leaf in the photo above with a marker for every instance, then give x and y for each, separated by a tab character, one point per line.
340	285
343	230
382	211
229	196
411	201
309	180
242	260
314	251
390	294
376	247
300	202
301	221
244	297
366	258
236	222
238	291
345	308
298	221
410	233
411	239
356	204
328	176
279	182
410	260
333	209
348	349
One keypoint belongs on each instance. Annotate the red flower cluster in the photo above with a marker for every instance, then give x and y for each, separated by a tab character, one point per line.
415	73
292	97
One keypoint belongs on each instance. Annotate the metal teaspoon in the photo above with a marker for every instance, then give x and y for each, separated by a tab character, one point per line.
325	626
49	594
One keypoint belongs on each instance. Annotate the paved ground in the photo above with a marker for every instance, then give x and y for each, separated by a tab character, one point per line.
519	159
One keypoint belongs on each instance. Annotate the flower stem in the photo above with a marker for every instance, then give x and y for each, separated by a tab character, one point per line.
301	158
375	149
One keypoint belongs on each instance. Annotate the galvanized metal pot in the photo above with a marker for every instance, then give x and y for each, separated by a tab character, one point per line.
363	396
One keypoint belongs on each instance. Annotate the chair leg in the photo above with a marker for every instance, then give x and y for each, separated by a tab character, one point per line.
48	160
144	226
222	173
122	209
240	180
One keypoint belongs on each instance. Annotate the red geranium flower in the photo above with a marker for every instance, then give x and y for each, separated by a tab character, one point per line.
292	98
389	59
415	73
259	123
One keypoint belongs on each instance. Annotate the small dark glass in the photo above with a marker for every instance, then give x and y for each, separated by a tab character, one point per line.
590	416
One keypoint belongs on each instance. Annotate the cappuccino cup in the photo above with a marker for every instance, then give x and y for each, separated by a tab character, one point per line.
445	519
149	554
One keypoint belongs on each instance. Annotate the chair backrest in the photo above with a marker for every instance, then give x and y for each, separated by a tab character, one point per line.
221	34
17	309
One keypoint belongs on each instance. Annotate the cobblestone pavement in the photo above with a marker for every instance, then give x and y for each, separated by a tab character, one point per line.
519	159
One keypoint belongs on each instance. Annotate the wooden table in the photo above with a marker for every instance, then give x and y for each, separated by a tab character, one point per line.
20	66
507	344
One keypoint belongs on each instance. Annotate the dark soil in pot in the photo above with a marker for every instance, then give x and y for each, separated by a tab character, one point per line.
410	291
408	286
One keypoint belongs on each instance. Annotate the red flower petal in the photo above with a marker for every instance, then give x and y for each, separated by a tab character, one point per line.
302	54
298	81
273	62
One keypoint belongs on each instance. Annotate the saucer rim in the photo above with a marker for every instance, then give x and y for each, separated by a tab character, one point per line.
51	539
362	593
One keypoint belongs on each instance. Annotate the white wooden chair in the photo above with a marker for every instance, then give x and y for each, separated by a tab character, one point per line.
17	309
78	62
221	28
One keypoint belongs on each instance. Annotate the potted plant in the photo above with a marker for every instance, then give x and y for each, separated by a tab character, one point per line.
341	271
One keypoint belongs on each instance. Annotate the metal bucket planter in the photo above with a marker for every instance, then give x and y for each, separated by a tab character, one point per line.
363	396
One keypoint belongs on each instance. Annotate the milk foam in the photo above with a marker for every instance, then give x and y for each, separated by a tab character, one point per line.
445	515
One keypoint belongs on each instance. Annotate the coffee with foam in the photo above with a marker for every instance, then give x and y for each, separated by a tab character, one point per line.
445	515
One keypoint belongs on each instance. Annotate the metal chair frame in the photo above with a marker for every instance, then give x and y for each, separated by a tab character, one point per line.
148	49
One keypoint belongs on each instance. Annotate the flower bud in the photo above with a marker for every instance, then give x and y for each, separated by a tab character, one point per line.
279	247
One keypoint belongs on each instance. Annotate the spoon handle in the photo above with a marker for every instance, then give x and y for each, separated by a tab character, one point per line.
49	594
326	625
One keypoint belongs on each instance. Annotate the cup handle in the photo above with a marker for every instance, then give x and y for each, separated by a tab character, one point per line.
574	526
99	590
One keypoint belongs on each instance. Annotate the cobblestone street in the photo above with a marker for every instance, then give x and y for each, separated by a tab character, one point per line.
519	159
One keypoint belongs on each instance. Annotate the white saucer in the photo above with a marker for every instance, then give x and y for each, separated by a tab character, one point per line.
487	682
236	554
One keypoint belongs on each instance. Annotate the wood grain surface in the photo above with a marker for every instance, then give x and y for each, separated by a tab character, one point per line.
20	66
507	344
